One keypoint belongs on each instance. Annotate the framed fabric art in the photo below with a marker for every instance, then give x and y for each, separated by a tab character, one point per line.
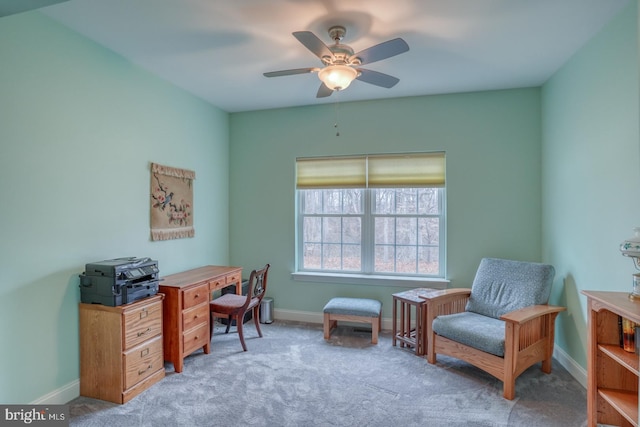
171	202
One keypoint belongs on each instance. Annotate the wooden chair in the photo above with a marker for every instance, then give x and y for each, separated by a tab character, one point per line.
234	306
501	325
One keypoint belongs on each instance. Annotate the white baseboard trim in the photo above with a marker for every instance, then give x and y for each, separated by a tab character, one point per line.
576	371
312	317
60	396
70	391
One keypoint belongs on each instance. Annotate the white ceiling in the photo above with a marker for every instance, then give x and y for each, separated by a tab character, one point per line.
218	49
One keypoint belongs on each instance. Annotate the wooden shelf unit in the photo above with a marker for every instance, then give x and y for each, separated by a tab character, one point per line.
613	373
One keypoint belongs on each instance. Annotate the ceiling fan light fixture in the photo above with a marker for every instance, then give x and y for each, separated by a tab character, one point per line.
337	77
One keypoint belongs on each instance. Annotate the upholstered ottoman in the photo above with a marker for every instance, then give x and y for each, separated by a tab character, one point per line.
360	310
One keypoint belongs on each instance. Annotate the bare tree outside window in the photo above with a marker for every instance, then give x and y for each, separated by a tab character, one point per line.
404	226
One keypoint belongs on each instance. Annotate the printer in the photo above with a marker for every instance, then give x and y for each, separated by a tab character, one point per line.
119	281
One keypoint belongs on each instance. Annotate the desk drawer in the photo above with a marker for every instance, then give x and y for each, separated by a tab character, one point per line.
195	296
234	278
194	316
196	338
217	283
142	323
142	361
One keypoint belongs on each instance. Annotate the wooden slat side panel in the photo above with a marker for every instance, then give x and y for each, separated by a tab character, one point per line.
101	375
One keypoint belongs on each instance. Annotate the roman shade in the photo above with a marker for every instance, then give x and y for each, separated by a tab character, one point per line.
413	170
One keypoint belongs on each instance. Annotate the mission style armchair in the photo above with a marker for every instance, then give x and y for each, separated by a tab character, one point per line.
501	325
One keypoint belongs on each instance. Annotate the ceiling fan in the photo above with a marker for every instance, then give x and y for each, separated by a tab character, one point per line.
341	65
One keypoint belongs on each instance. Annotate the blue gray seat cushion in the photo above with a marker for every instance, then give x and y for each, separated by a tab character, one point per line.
501	286
353	307
472	329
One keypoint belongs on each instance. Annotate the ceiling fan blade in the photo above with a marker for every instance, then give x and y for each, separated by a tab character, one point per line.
313	43
376	78
290	72
323	91
382	51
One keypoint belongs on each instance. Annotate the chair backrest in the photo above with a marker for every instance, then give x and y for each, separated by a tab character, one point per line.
258	283
501	286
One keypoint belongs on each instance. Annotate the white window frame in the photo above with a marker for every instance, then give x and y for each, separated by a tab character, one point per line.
367	276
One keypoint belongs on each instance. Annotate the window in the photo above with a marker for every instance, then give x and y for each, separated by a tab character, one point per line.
373	215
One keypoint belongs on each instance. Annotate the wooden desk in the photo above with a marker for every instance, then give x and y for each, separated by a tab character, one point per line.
186	309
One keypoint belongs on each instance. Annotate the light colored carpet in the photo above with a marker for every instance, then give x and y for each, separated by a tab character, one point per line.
293	377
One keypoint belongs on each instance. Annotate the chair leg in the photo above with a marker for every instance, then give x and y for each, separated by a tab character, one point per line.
375	327
509	391
256	321
510	356
326	327
241	333
226	331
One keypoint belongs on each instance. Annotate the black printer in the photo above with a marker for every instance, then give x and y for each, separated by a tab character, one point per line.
119	281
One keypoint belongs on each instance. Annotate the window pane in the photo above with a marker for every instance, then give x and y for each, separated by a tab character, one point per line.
352	257
351	232
331	257
428	203
429	262
312	201
332	201
384	258
406	259
331	229
385	231
406	201
312	256
429	233
353	202
311	229
406	231
385	200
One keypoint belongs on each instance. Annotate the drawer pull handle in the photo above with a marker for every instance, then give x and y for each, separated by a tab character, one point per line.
144	352
144	332
196	338
197	296
144	370
195	316
144	313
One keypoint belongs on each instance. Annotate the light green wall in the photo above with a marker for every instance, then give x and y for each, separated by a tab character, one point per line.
591	173
492	141
78	128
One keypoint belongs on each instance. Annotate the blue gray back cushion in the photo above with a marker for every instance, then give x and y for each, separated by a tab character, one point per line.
500	286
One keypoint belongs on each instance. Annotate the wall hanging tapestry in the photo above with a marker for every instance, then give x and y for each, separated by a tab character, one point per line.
171	202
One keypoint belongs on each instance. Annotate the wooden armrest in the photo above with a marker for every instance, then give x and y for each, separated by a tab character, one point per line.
448	301
528	313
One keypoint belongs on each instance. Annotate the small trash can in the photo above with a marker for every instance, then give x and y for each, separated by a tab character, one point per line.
266	310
